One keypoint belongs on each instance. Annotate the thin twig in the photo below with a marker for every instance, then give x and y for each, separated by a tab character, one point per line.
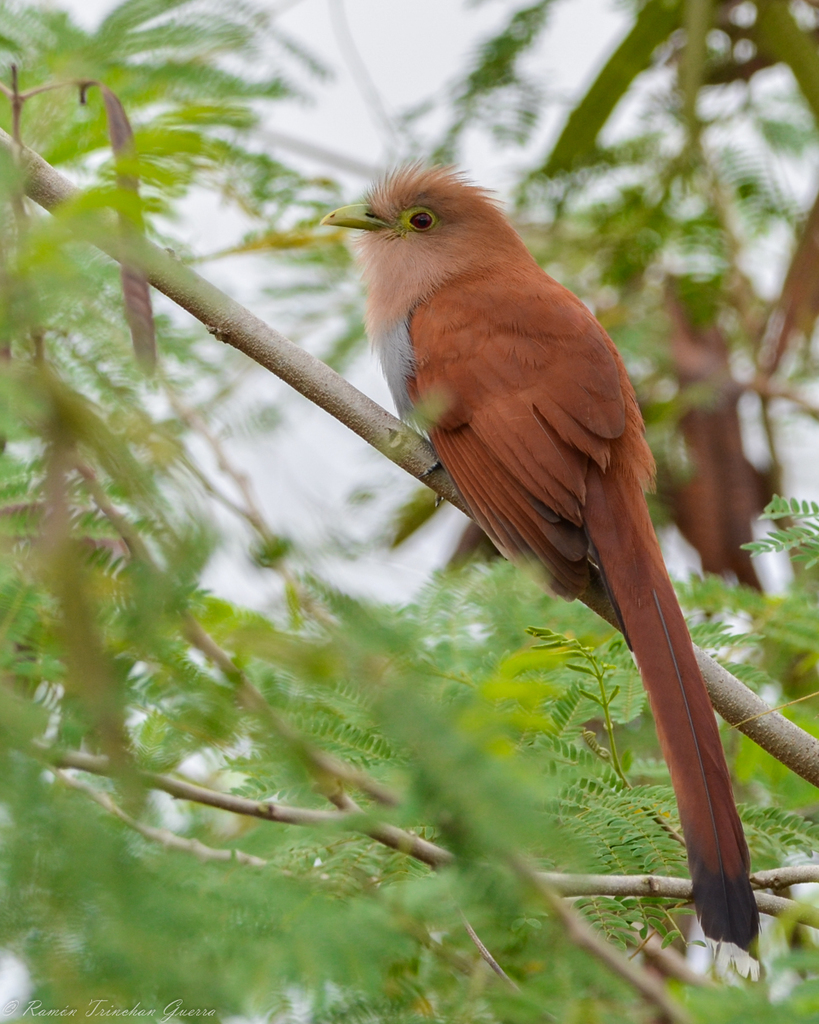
323	764
17	102
486	955
251	511
737	703
652	932
267	810
780	707
120	522
170	840
344	802
360	73
767	388
49	87
330	157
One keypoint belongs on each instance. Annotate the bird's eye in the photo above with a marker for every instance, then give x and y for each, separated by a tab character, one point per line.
421	221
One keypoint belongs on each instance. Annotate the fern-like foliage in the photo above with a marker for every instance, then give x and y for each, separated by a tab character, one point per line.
799	537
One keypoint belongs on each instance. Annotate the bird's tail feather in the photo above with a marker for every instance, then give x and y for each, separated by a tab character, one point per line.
628	554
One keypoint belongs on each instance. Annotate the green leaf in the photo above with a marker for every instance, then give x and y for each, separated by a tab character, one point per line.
779	35
575	146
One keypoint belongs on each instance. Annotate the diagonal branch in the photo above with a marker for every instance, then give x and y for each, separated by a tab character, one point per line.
267	810
798	303
322	764
230	322
486	956
550	887
170	840
583	935
237	326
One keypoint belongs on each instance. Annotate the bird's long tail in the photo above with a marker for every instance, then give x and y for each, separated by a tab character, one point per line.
628	554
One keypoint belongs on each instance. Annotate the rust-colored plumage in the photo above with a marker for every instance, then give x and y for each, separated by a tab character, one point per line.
541	432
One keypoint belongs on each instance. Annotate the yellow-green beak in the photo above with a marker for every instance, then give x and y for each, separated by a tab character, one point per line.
356	216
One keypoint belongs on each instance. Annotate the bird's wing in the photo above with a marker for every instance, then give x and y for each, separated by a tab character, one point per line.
530	393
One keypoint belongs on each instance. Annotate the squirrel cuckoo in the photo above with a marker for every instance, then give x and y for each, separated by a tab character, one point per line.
540	430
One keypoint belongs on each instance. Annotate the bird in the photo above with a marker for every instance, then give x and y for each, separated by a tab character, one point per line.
537	423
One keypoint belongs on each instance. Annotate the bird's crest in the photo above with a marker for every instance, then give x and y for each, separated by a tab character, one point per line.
441	188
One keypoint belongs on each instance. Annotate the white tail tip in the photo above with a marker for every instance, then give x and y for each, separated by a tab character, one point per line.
727	955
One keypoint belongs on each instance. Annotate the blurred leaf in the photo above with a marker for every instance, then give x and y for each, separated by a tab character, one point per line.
777	32
412	515
495	92
655	21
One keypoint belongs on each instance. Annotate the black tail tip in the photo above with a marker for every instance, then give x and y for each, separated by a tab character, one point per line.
726	908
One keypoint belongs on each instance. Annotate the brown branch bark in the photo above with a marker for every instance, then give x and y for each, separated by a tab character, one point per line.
235	325
582	934
170	840
230	322
680	889
388	835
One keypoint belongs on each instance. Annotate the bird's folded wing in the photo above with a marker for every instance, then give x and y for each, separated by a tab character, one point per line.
529	393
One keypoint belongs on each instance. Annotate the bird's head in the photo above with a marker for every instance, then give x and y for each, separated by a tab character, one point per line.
420	227
416	200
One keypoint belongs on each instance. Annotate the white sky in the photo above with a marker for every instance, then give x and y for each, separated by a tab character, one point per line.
411	49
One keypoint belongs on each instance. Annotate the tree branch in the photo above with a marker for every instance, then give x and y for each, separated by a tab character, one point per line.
582	934
351	816
740	707
669	887
170	840
267	810
230	322
322	763
784	878
355	819
235	325
487	956
579	931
